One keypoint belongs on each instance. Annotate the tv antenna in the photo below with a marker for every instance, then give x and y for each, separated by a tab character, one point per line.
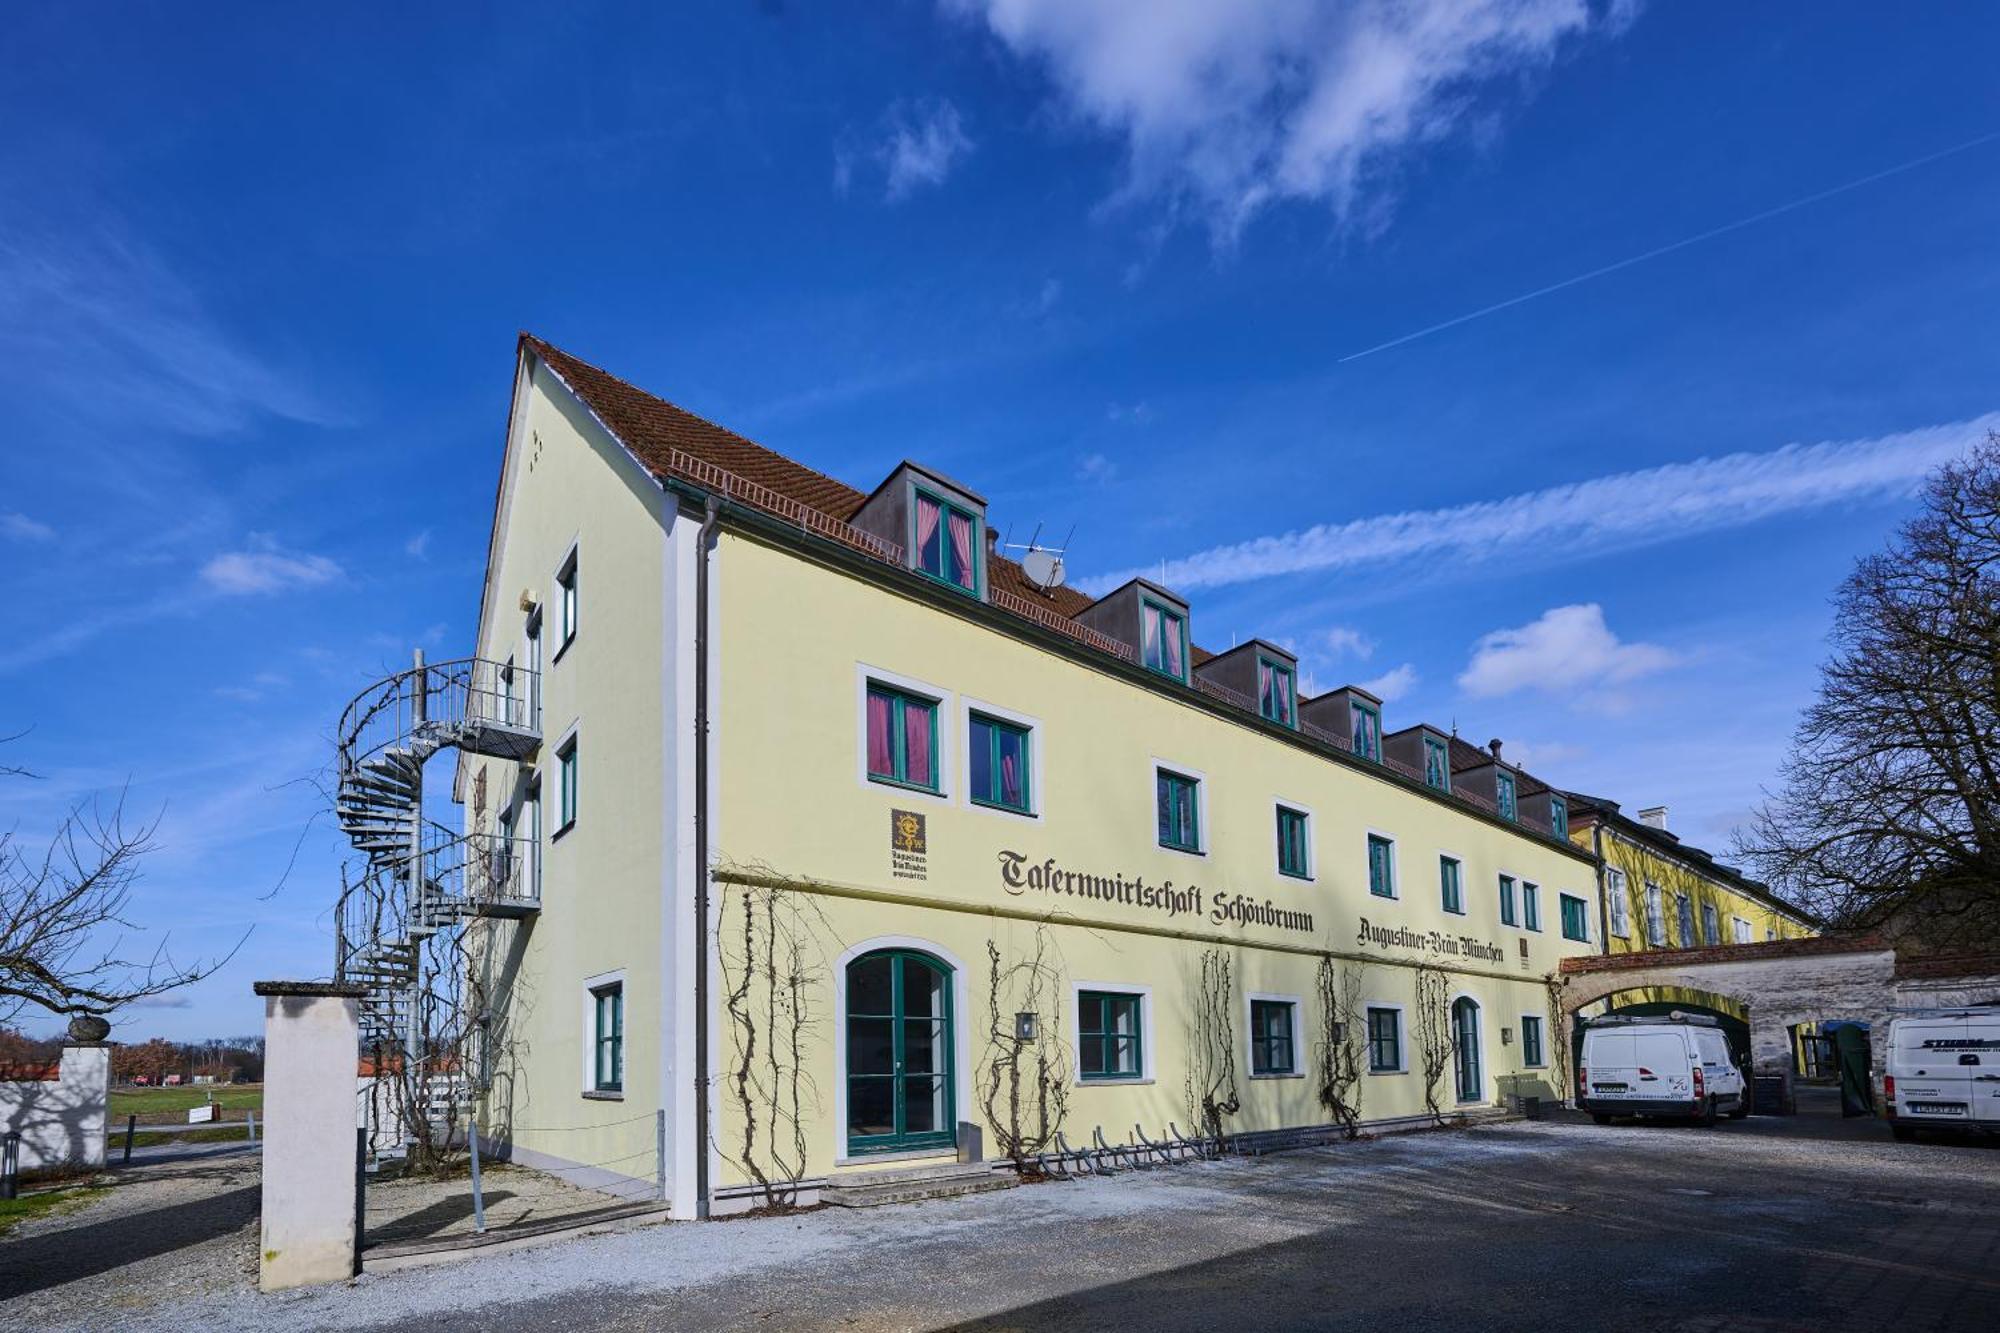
1043	565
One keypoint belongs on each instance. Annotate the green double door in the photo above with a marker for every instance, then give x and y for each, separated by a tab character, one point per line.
899	1053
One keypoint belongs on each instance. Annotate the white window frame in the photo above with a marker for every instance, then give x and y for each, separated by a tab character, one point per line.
947	735
1250	1034
1500	899
1203	833
568	599
1036	764
1312	842
1656	916
1741	931
1684	927
1620	910
1148	1054
1395	894
602	981
1542	1063
1464	907
1402	1039
1534	924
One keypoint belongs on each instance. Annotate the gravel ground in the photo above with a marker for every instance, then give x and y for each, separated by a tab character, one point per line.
1758	1224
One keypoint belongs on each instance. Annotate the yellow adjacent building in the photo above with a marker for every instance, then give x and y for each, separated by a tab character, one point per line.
854	846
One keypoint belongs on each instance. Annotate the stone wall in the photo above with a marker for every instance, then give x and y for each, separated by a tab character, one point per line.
60	1117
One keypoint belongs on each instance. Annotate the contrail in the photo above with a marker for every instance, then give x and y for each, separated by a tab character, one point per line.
1681	244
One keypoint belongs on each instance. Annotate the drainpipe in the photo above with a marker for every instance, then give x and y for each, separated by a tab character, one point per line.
711	520
1603	901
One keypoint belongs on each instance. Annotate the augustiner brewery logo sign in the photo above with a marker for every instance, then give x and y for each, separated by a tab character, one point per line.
908	846
1429	941
1020	876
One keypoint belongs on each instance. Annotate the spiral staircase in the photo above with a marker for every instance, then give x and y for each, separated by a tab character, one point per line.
419	878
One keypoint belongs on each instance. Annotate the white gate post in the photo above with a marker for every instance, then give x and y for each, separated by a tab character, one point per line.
312	1047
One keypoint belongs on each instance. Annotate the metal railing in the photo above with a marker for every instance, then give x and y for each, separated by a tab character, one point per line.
434	697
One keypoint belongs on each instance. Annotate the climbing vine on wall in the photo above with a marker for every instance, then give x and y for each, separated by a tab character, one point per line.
1209	1085
1338	1053
1024	1075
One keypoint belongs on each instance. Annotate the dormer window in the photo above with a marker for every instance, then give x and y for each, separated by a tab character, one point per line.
1437	764
1162	639
1559	817
1503	786
947	542
1277	692
1367	731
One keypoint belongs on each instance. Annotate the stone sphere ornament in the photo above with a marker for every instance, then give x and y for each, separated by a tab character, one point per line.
88	1027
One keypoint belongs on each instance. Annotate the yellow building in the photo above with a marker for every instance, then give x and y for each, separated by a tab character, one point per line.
851	843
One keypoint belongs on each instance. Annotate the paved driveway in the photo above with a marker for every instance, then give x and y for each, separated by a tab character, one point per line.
1761	1224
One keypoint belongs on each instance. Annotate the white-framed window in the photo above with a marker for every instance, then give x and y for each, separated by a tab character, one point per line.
1451	883
1293	825
1114	1032
567	764
1179	801
1656	919
1274	1036
1509	913
1531	905
1615	899
1534	1045
1575	917
1684	920
566	602
1711	925
1381	864
604	1035
1744	932
1388	1052
904	734
1003	759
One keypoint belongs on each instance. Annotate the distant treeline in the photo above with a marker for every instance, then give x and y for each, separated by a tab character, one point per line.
225	1059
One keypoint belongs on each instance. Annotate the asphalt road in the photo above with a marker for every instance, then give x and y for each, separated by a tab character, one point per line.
1762	1224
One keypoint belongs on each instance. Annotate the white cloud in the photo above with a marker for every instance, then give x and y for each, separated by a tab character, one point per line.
266	568
1096	468
21	528
918	145
1568	650
419	546
1626	509
1230	105
1393	684
1346	641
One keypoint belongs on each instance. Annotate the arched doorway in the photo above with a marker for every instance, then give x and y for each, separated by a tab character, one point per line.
1465	1050
1731	1015
899	1052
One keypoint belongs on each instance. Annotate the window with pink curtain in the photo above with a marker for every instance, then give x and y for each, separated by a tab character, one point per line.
917	743
961	549
1161	640
930	550
1149	638
1172	627
881	735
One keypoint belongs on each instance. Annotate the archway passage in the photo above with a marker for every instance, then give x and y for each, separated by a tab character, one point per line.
1465	1049
899	1053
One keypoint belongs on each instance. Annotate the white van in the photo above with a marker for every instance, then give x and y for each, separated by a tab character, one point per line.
1673	1066
1943	1070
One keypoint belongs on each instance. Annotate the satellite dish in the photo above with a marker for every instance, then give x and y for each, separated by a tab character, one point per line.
1043	568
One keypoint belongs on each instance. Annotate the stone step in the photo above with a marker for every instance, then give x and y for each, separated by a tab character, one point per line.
946	1180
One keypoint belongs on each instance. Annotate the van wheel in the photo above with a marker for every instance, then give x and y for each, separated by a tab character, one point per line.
1904	1133
1707	1117
1599	1118
1742	1107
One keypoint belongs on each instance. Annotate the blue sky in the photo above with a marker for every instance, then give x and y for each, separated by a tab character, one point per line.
260	277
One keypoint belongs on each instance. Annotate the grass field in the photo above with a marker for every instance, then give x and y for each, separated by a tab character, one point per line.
163	1104
41	1203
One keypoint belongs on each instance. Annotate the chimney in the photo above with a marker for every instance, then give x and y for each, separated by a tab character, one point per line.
1494	746
1654	816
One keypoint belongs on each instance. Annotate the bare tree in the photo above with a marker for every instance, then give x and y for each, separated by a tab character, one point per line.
1209	1086
1436	1042
768	1009
1024	1075
1338	1053
1559	1036
64	920
1889	806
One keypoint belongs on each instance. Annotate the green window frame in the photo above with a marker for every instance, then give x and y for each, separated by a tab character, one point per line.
1385	1040
897	773
1503	789
1437	764
1508	916
1178	798
1534	1053
1531	905
1110	1033
995	741
566	785
1277	692
1367	738
1559	817
1160	658
1575	918
1272	1051
1294	845
905	1048
1451	885
1381	866
608	1037
566	601
934	562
